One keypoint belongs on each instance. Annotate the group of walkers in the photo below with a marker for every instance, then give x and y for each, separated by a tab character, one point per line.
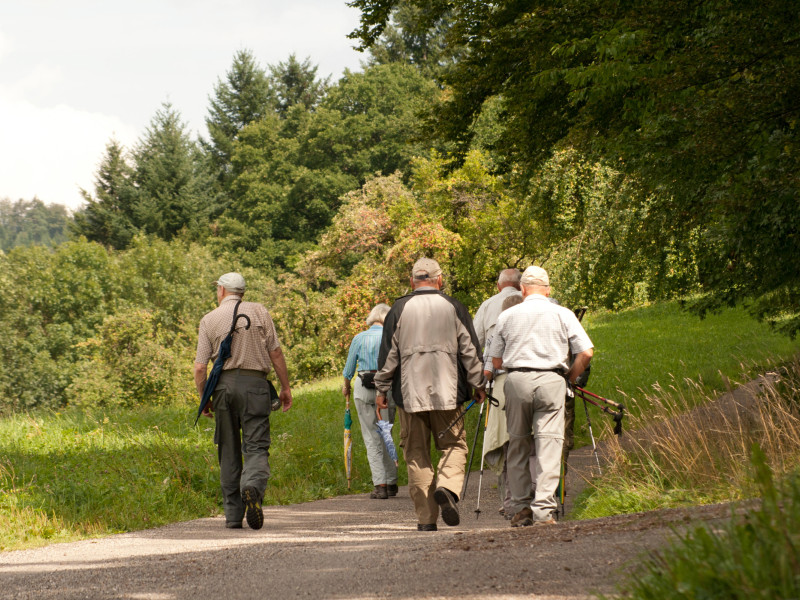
420	360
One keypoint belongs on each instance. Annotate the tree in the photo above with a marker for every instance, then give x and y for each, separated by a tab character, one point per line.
109	216
32	222
698	100
296	82
289	174
173	189
245	96
410	38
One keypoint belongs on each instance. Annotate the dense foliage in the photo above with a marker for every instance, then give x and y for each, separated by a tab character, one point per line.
639	153
32	222
698	100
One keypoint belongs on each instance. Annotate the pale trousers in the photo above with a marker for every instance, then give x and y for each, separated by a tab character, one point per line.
535	405
380	463
416	430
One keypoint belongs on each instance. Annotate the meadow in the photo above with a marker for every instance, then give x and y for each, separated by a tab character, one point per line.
79	473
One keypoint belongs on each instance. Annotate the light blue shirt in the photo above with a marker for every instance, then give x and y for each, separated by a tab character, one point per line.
364	351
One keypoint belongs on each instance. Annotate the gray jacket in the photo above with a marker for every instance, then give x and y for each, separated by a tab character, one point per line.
429	357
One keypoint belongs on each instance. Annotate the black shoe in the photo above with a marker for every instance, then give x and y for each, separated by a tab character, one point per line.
233	524
447	502
379	493
426	527
252	504
391	489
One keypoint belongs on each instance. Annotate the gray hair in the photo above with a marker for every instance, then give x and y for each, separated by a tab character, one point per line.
378	314
511	276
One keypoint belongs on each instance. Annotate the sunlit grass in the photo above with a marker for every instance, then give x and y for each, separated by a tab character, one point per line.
79	474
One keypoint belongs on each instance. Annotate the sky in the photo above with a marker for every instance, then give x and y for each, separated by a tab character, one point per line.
76	73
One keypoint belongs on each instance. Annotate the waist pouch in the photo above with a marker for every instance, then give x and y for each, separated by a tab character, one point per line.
367	379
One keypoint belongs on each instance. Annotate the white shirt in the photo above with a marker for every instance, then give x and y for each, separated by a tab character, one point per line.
538	334
486	317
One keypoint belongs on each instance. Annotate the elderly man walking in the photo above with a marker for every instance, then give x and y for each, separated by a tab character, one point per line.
241	399
532	342
486	317
431	360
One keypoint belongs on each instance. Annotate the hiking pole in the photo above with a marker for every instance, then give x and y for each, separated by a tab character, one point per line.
589	423
472	453
485	427
457	419
588	396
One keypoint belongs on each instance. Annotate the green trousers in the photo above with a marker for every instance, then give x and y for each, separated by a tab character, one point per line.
241	412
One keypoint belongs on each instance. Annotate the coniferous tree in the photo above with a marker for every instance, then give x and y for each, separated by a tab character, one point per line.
174	190
109	216
245	96
296	82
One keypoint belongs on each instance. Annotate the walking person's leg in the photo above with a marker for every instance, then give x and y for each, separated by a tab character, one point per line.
229	450
415	434
548	425
364	400
255	407
519	420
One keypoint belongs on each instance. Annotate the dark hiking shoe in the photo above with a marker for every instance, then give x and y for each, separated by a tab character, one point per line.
447	502
233	524
252	505
523	518
426	527
391	489
379	493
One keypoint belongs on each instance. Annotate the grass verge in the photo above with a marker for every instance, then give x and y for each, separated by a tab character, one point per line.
756	556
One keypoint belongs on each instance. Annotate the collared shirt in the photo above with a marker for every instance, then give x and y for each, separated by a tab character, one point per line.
364	351
538	334
250	347
486	317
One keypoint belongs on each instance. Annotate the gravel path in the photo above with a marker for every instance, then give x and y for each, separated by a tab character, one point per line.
350	547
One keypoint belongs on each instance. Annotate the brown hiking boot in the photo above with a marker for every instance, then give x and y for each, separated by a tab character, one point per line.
523	518
392	489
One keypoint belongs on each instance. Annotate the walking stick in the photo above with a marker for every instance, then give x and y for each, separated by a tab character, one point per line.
485	427
472	453
594	446
457	419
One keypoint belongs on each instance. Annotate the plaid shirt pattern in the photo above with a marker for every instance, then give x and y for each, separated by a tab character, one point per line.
250	348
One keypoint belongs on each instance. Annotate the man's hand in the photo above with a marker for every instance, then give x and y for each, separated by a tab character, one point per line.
380	401
286	398
208	411
489	375
480	395
346	388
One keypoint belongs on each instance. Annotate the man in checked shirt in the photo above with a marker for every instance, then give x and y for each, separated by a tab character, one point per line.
532	342
241	400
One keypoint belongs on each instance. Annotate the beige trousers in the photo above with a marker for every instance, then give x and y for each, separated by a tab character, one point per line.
416	430
535	405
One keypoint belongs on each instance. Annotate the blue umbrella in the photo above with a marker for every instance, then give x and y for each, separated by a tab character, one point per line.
385	431
224	354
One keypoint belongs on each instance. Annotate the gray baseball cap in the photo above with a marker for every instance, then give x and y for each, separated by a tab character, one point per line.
233	282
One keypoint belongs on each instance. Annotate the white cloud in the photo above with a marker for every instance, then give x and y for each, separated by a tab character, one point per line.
52	152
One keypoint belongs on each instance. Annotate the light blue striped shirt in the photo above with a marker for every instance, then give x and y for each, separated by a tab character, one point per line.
364	350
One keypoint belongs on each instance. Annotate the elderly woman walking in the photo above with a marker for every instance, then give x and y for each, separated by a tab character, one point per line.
364	354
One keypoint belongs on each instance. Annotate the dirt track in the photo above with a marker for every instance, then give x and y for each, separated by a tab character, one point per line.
349	547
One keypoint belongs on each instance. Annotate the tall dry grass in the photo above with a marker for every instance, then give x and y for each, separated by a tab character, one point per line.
687	448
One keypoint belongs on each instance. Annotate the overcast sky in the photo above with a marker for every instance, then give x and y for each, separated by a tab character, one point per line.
75	73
